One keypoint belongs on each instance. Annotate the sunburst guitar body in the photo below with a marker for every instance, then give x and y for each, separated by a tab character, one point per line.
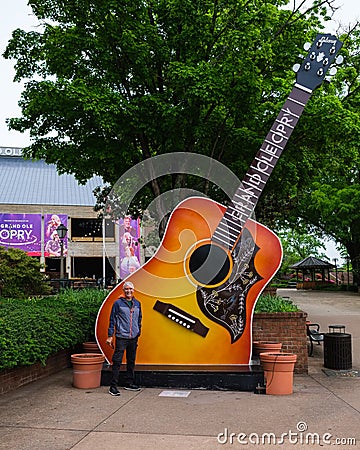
223	312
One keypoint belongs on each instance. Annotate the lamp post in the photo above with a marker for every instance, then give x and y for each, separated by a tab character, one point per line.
336	272
61	231
348	269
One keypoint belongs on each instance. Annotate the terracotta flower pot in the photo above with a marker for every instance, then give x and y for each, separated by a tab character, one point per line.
278	372
87	370
264	346
91	347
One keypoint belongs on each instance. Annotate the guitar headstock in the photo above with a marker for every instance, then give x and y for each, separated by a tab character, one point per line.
317	62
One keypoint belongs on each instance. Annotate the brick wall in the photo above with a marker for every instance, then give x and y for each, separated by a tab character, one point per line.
11	379
289	329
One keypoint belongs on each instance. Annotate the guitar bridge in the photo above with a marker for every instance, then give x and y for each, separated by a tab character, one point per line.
181	317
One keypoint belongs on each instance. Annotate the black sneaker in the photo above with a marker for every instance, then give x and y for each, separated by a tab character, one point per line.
113	391
131	387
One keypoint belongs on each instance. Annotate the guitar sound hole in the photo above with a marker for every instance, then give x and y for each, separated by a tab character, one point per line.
209	265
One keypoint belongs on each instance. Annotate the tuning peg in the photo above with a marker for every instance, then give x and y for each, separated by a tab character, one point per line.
332	71
307	46
339	59
296	67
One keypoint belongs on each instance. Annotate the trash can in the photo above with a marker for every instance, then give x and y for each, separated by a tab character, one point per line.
337	351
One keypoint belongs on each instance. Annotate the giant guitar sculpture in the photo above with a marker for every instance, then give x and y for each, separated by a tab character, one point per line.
199	290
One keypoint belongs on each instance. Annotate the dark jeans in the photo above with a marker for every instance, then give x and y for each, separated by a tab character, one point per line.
130	345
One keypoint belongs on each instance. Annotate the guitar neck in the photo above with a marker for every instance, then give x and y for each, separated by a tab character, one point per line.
248	193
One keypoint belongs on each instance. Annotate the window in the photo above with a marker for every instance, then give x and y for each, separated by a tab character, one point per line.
91	230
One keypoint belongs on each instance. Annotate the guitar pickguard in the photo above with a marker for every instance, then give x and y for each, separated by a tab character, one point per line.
226	305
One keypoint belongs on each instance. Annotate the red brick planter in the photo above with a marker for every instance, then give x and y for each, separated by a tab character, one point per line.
288	328
11	379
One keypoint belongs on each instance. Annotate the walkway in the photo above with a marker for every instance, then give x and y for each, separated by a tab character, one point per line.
52	415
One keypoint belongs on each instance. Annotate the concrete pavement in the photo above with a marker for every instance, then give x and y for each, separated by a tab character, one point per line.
52	415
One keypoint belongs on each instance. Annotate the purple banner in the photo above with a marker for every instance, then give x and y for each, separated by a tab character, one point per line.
52	246
22	231
129	245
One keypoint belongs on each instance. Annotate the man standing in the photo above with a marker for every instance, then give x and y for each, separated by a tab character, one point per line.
125	320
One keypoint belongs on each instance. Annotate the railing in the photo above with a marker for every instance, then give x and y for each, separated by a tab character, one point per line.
73	283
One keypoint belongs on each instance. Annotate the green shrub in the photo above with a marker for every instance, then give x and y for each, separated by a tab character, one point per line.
274	303
349	287
33	329
20	275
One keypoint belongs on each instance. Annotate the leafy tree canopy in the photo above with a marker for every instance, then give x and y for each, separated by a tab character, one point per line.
298	246
112	83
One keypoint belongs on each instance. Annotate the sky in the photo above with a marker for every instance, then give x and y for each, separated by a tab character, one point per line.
17	14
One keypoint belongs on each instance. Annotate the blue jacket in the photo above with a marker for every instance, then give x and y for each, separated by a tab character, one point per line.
125	320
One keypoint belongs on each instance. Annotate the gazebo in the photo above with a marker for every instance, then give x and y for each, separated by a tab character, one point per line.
315	272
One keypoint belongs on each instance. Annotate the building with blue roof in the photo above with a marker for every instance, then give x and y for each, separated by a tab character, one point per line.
35	198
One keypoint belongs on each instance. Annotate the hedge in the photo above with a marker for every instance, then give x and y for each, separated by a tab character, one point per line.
274	303
33	329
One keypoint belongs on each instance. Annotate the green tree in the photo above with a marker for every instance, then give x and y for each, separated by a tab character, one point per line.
111	83
319	188
297	246
20	275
